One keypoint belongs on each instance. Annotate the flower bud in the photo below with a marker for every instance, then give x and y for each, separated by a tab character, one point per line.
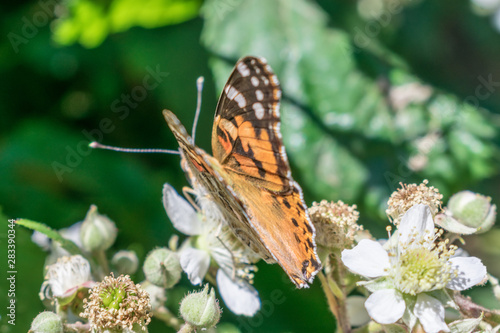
125	262
473	210
201	309
98	232
162	268
47	322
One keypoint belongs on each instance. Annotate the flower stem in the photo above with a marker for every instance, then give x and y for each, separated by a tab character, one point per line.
336	300
186	328
330	297
102	262
165	315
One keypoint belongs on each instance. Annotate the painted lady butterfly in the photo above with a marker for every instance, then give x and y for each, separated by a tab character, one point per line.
248	177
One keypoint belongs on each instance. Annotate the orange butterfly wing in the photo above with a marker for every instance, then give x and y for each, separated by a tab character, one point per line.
246	140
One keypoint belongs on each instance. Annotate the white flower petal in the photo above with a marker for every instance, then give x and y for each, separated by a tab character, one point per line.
41	240
368	258
356	311
471	271
385	306
73	233
416	221
195	263
66	276
222	256
430	313
181	213
239	296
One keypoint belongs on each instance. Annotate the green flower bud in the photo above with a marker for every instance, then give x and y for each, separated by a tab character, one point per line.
201	309
162	268
47	322
473	210
125	262
98	232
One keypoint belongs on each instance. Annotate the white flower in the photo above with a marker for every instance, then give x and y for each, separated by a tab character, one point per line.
65	277
406	273
211	239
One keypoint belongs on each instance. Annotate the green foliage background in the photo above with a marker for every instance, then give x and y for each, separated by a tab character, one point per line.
64	72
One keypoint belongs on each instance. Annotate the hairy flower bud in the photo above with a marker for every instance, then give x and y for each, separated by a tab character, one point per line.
162	268
98	232
473	210
47	322
201	309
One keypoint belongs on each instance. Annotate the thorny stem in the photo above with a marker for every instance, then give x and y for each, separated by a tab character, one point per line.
334	290
339	281
165	315
338	308
332	301
186	328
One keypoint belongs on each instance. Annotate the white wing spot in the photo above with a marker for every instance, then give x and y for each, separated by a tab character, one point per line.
243	69
266	81
259	110
257	70
255	81
252	62
242	102
274	79
259	94
231	92
235	95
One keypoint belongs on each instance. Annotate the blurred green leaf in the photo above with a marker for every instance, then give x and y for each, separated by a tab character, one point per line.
344	128
67	244
90	22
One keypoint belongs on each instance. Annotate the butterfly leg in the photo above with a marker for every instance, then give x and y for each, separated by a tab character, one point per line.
188	192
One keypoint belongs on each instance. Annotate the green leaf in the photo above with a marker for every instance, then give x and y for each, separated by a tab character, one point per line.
52	234
90	22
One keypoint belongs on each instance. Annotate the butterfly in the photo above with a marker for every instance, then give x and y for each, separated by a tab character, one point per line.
248	178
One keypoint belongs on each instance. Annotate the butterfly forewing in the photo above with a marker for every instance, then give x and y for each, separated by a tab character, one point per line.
247	125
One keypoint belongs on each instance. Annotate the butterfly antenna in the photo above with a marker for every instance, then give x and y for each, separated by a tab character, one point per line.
97	145
199	88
